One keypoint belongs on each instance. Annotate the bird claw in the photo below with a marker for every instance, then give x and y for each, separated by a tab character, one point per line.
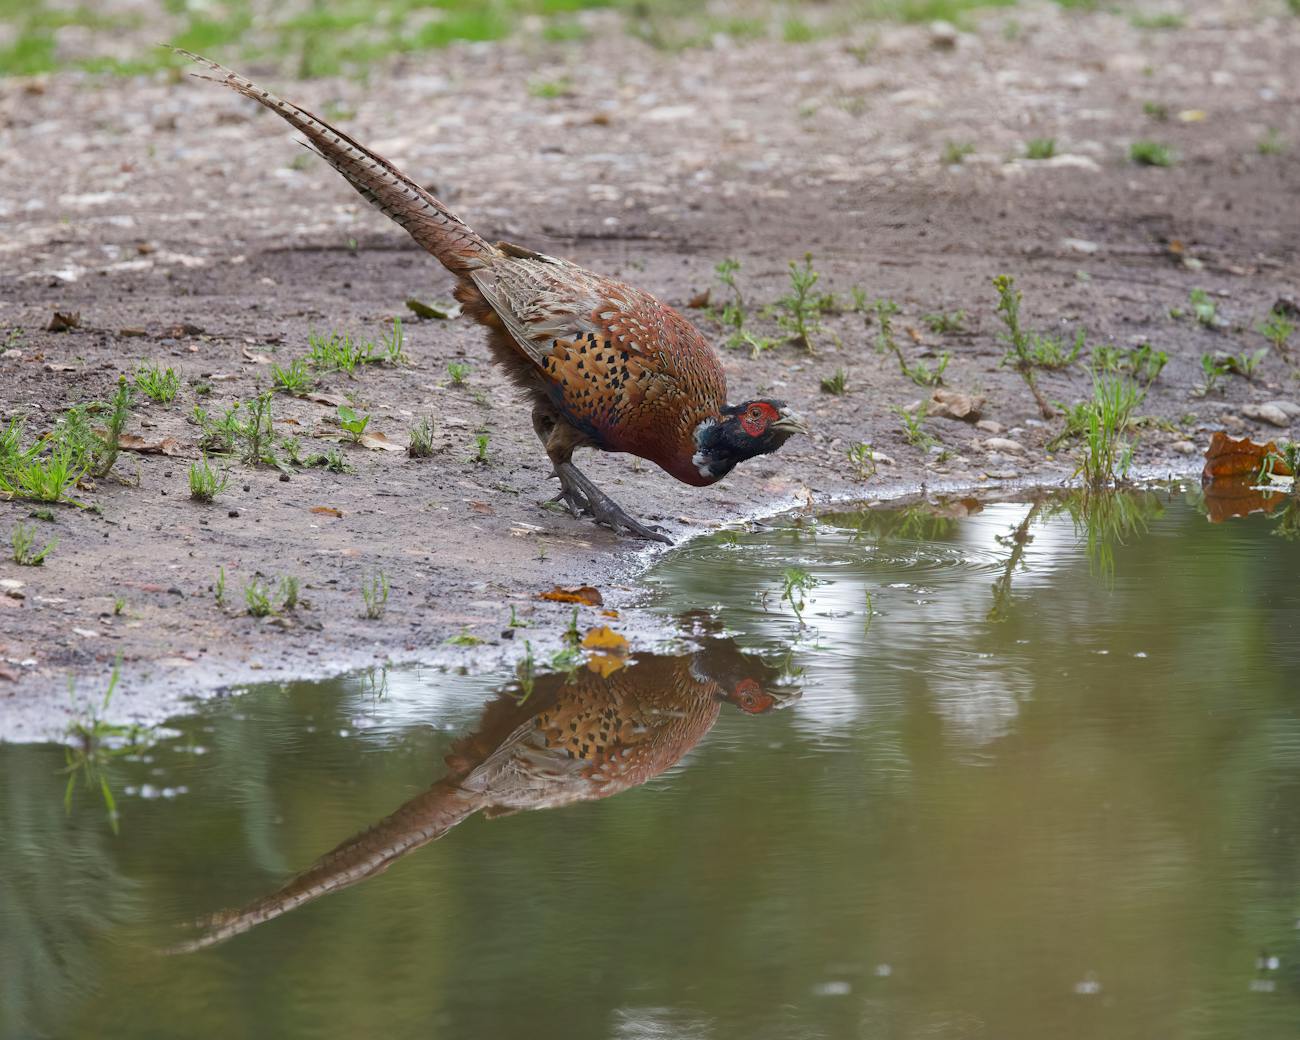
580	495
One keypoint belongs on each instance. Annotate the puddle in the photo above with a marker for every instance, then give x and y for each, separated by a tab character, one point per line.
1011	772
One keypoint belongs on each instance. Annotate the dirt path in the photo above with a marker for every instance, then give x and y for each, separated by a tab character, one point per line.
176	221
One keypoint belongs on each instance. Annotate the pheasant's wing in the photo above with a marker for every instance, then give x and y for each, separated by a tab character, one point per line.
617	362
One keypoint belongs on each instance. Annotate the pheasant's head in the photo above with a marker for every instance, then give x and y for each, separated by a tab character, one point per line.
751	698
741	432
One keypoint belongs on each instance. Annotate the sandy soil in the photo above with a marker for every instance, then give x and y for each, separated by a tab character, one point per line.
172	217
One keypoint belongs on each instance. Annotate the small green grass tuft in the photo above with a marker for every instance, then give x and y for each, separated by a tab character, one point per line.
800	309
836	383
156	384
481	449
1040	148
294	380
955	152
913	431
1277	328
1272	143
862	458
1151	153
459	372
23	541
421	445
945	323
1204	309
1212	370
374	594
205	483
1106	454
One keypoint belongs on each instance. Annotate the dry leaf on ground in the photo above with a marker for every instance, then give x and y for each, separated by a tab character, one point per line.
166	446
951	404
378	442
327	511
61	321
1226	457
583	594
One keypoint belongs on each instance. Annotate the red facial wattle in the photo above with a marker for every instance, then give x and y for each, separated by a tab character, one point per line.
757	416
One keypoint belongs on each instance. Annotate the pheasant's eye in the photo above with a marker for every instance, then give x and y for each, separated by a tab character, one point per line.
754	420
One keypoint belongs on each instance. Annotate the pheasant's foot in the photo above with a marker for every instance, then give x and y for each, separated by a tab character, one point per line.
602	508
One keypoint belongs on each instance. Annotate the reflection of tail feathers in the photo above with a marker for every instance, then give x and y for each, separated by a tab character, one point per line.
420	821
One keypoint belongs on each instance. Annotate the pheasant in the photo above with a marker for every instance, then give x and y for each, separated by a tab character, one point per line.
607	366
567	741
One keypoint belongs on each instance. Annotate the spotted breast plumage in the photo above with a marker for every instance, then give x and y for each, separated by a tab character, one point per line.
608	366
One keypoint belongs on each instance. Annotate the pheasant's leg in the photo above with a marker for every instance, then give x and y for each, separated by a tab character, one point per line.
603	508
552	439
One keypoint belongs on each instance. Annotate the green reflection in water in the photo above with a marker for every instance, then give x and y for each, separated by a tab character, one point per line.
1030	788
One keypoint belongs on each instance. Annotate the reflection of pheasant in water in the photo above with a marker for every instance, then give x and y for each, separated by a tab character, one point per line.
568	741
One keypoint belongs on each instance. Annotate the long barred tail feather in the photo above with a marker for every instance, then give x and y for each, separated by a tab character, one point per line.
381	183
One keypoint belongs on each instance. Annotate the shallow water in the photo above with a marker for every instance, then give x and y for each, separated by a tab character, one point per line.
1000	782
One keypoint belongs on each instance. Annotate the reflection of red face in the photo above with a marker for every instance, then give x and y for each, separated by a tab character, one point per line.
750	698
757	416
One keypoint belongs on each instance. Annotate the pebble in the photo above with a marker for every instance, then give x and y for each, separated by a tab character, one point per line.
1003	474
1269	413
943	35
989	426
1004	444
1184	447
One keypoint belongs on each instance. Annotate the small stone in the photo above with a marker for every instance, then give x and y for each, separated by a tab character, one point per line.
1184	447
284	478
1269	413
233	513
10	585
1004	444
1003	474
1079	245
990	426
943	35
1290	407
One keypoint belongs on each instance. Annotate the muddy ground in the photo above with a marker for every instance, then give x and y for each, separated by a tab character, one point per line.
173	217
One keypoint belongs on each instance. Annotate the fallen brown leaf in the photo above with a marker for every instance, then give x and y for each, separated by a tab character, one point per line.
327	511
166	446
333	400
257	359
699	300
1226	457
132	331
61	321
483	508
951	404
583	594
378	442
916	336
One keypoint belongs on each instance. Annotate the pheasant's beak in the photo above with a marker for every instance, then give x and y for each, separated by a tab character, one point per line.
790	424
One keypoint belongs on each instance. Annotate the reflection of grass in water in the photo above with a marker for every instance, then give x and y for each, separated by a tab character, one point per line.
922	522
98	743
1105	519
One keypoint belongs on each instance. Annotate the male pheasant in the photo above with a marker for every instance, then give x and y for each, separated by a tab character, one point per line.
567	741
608	366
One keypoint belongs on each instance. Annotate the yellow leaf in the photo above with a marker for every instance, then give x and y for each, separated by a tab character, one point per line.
603	637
